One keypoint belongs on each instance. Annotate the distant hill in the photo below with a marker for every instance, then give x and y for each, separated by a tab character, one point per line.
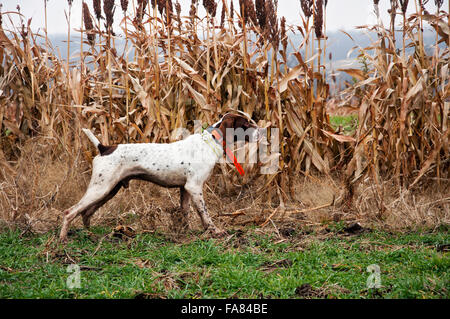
339	45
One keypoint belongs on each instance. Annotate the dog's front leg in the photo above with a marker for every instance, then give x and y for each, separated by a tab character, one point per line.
196	193
185	199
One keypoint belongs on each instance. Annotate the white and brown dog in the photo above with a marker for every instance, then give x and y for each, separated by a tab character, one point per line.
186	164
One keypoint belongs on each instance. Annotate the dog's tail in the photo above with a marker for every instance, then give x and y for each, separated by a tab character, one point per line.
104	150
92	137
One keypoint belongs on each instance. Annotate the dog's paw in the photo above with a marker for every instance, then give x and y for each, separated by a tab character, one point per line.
214	232
63	240
218	233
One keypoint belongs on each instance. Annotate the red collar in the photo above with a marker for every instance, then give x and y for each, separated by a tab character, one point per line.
228	152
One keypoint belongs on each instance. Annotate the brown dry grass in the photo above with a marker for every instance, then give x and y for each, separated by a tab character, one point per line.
46	183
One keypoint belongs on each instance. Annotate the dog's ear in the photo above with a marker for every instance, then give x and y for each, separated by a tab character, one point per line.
228	121
235	122
241	122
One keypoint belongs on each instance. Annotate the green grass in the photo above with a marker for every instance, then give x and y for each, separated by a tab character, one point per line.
249	265
349	123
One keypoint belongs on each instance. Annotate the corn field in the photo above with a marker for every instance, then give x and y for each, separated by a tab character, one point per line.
174	69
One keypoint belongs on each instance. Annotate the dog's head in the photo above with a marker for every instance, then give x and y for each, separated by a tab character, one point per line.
244	129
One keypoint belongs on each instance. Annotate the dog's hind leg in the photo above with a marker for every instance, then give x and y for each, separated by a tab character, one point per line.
87	214
95	195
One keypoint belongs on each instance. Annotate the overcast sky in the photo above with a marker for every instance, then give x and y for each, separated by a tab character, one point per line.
341	14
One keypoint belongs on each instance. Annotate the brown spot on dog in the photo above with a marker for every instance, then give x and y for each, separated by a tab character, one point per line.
106	150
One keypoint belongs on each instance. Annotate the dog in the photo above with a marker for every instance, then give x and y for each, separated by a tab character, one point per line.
185	164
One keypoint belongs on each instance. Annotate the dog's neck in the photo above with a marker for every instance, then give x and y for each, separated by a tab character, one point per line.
216	147
219	140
